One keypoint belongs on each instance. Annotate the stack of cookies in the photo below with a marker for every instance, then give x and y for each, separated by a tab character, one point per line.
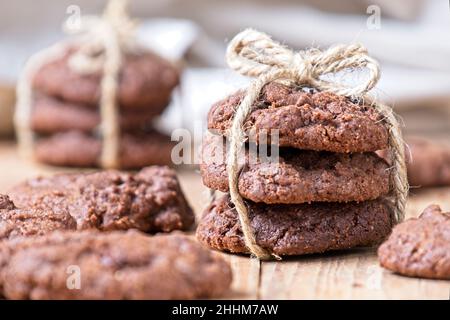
65	114
326	190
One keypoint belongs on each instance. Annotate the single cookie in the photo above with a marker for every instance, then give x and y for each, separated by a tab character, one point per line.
419	247
116	265
146	81
297	229
52	115
430	163
15	222
298	176
150	200
78	149
319	121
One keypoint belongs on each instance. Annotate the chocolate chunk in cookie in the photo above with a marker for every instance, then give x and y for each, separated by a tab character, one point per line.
78	149
116	265
419	247
150	200
319	121
146	81
52	115
297	229
298	176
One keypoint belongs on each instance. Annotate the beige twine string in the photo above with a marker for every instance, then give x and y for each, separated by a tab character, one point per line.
255	54
101	41
24	93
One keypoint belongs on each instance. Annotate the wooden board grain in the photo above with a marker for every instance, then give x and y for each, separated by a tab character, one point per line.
352	274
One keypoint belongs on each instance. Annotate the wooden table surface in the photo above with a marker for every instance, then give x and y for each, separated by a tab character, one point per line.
352	274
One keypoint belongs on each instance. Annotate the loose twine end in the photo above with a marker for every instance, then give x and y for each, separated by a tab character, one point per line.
255	54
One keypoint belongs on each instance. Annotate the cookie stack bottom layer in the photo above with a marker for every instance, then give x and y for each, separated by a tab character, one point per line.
297	229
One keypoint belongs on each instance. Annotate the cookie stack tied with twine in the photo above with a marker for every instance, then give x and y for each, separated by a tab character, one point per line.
90	100
328	190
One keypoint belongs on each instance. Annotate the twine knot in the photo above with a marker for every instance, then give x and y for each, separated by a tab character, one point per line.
97	34
255	54
302	67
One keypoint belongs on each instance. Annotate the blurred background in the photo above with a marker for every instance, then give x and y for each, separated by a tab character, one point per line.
410	38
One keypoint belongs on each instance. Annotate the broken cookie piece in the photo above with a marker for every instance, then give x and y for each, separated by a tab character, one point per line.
419	247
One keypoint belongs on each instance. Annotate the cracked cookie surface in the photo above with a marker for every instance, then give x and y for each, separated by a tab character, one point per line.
15	222
298	176
297	229
113	265
319	121
419	247
150	200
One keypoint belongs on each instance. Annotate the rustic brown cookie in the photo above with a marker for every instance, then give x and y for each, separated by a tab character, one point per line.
319	121
116	265
15	222
150	200
146	81
78	149
297	229
420	247
52	115
298	176
429	164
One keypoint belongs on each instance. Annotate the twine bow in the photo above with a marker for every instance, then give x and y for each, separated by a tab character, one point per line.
98	35
255	54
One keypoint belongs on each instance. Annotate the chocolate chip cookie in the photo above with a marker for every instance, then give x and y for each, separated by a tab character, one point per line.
150	200
319	121
297	229
146	81
115	265
298	176
419	247
78	149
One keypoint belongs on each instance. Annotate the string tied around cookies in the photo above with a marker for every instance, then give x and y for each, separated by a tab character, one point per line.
101	42
99	34
255	54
